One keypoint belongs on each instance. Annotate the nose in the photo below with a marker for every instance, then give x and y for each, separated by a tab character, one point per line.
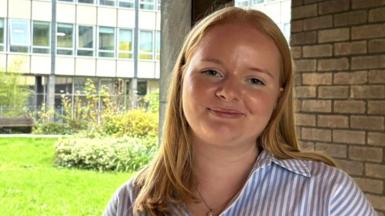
228	90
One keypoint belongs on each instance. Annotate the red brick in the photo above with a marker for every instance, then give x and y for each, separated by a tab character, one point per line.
376	107
377	201
305	92
334	150
333	6
366	154
314	134
368	92
367	122
322	106
367	3
317	78
349	106
333	64
349	136
377	76
306	145
319	22
304	11
351	167
377	46
317	50
376	15
376	138
333	121
349	48
303	38
333	92
350	18
368	62
332	35
375	170
368	31
305	119
357	77
304	65
370	185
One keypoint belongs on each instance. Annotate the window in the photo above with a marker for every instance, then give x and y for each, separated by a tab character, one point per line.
64	39
127	3
19	36
107	2
145	45
66	0
157	45
86	1
106	42
146	4
125	43
41	37
254	2
242	3
1	34
85	41
142	87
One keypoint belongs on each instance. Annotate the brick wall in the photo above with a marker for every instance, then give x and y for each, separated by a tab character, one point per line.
339	52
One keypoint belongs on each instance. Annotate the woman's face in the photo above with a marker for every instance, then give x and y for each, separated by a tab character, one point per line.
231	85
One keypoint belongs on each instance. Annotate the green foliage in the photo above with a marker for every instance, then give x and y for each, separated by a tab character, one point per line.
117	154
152	100
133	123
13	95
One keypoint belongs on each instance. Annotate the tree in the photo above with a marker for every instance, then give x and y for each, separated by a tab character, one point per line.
13	95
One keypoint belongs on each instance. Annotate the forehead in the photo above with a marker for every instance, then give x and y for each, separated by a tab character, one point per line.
241	40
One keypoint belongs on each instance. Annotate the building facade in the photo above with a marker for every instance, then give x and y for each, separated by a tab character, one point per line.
57	44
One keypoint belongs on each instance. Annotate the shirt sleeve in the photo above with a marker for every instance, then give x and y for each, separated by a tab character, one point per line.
348	199
122	201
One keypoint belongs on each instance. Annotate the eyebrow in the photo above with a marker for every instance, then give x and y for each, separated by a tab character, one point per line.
257	69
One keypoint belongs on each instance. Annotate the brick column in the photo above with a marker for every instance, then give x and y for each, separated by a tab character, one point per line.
339	52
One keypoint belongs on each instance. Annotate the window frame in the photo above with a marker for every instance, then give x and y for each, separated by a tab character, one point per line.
78	48
57	48
48	48
157	34
113	51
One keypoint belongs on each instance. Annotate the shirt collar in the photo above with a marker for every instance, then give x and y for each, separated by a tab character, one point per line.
297	166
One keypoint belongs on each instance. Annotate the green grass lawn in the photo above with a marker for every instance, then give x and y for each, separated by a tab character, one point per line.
31	185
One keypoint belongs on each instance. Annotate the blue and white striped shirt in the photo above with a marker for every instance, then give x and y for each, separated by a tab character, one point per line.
279	187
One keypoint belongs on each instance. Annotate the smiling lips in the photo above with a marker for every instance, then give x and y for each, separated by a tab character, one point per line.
226	113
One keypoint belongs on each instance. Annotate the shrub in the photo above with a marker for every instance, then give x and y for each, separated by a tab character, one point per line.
103	154
133	123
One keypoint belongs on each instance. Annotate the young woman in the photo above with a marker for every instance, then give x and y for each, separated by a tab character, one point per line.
229	145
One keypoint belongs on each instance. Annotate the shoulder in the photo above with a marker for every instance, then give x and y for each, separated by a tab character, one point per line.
122	201
346	198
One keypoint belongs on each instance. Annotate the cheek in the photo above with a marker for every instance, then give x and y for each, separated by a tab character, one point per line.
261	102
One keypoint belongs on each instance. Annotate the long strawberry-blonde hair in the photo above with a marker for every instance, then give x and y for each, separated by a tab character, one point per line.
168	179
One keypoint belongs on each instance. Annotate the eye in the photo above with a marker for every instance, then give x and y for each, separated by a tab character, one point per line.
255	81
212	73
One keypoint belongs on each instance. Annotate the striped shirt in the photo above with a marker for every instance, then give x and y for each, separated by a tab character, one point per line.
278	187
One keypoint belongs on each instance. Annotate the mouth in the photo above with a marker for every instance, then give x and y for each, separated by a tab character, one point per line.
226	113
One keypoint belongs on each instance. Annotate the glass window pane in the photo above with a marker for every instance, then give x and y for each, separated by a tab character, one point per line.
107	2
86	37
1	34
145	45
125	43
86	1
66	0
19	36
126	3
106	41
147	4
41	34
64	39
